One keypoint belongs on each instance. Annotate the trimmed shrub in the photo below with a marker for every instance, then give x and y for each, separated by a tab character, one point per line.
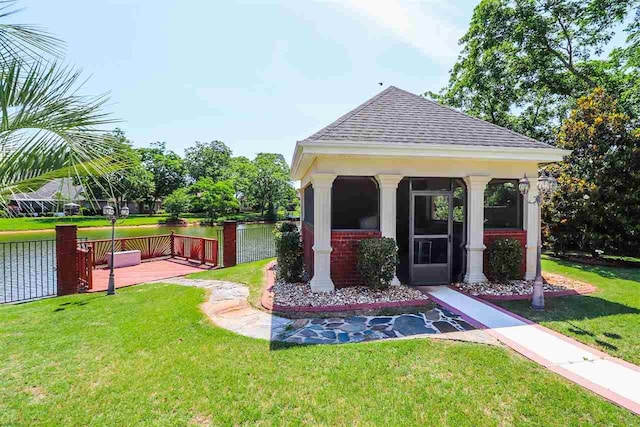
285	227
289	252
377	261
505	257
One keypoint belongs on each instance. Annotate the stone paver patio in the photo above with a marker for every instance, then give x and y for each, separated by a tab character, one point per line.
228	308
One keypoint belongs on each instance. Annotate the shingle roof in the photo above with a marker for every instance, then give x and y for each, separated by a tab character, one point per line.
397	116
64	186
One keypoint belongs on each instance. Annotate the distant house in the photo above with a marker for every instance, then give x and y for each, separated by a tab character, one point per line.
51	197
54	195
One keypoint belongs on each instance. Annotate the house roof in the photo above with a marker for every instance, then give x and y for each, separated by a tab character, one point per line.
47	193
397	123
395	116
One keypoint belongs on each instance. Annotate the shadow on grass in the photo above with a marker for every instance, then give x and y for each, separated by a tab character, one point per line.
76	304
572	311
606	272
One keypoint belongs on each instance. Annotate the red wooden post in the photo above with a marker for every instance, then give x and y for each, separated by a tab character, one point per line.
90	268
123	244
66	259
229	243
203	257
214	252
172	244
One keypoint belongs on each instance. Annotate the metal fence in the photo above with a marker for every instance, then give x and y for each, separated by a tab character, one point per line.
253	244
27	270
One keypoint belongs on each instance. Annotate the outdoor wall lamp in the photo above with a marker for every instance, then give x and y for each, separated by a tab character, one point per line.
546	186
110	213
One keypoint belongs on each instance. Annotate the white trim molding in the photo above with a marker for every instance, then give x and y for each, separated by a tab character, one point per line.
306	151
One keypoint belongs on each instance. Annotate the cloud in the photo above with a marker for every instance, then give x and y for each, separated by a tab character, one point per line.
429	27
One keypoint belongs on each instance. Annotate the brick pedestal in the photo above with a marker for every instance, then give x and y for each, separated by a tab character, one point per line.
229	255
66	259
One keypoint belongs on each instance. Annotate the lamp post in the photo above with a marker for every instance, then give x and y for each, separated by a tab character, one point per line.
110	213
546	186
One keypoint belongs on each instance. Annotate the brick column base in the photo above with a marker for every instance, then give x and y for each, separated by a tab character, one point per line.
66	259
229	256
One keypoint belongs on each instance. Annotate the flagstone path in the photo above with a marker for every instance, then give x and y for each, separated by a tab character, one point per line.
228	308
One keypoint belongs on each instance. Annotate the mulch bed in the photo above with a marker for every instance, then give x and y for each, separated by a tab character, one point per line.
555	285
298	298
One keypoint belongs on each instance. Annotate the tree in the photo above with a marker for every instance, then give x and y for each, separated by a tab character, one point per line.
597	205
215	199
272	187
525	62
242	174
207	160
134	184
177	202
167	168
48	130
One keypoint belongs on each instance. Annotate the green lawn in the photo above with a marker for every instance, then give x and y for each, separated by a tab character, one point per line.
251	274
608	319
45	223
148	356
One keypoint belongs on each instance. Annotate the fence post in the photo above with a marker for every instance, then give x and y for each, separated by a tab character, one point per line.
66	259
229	246
172	244
202	252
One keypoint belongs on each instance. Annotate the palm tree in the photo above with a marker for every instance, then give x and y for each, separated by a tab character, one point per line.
48	130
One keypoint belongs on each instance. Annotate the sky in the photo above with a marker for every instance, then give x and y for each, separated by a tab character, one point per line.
258	75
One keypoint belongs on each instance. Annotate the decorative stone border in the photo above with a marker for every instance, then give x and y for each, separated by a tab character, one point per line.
582	290
568	292
267	301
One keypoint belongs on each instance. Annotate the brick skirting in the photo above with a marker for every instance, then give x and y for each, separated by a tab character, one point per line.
519	235
344	257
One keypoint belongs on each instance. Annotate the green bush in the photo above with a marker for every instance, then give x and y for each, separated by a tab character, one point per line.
289	252
177	203
377	261
505	257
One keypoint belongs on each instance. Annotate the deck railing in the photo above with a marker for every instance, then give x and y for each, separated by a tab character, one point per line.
192	248
149	247
85	266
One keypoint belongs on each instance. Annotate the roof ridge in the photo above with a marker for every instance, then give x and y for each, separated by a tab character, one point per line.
341	120
472	117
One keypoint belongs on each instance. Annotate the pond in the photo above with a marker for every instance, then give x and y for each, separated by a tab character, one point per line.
27	260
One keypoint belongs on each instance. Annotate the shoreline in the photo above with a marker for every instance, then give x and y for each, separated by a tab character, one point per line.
99	227
195	223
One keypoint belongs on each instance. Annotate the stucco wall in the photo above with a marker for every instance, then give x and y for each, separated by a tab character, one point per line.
419	167
307	247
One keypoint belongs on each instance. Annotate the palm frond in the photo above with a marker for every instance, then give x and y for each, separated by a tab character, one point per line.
24	43
47	129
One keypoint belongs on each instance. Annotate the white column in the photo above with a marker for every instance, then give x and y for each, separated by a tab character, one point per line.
321	281
533	229
475	228
301	196
388	189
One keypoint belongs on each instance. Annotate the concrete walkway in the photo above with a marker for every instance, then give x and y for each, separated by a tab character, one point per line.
612	378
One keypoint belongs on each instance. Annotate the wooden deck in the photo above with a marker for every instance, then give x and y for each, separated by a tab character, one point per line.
146	272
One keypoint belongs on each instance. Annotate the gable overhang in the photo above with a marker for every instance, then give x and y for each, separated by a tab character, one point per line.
306	152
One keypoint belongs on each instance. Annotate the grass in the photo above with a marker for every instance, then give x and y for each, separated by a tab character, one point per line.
251	274
148	356
608	319
47	223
